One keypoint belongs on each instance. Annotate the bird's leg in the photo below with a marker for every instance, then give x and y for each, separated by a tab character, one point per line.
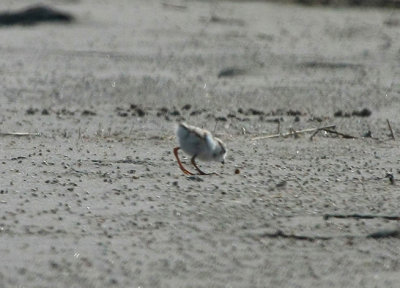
184	170
198	169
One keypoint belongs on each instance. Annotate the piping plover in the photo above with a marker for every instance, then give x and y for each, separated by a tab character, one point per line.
200	144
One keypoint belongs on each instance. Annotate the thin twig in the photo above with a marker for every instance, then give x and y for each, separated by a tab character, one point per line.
292	132
395	233
315	133
19	134
347	136
280	234
391	130
361	216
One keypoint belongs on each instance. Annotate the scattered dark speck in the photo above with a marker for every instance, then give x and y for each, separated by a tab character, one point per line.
340	113
88	113
195	178
221	118
281	184
227	21
64	111
252	111
196	112
45	112
293	113
316	118
363	113
230	72
187	107
122	114
31	111
140	112
175	113
54	265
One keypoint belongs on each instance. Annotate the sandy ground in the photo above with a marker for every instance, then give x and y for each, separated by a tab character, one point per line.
97	199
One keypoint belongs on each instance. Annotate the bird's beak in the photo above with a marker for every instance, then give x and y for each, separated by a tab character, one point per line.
223	161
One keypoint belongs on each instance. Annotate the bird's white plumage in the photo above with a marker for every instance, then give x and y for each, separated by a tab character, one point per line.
200	142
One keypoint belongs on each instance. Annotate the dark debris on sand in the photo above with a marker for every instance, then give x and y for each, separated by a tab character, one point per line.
345	3
231	72
34	15
358	113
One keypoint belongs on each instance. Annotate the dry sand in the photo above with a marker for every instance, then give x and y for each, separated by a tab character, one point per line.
97	200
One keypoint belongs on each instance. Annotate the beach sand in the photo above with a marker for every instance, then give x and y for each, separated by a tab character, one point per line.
97	198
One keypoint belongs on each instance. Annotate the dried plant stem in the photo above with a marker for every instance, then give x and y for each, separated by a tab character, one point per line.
294	132
347	136
391	130
19	134
362	216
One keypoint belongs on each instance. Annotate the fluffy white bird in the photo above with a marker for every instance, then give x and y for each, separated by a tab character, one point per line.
199	144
